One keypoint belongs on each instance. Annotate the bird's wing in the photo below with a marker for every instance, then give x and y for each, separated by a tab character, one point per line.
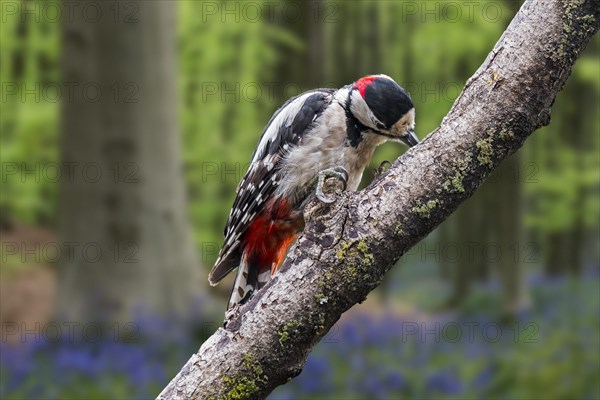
284	130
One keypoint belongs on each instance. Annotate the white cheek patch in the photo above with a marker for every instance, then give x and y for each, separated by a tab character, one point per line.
363	113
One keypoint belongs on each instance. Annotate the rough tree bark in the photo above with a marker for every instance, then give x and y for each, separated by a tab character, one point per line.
348	246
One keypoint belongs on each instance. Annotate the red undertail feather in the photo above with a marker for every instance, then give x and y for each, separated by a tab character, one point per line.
269	236
265	244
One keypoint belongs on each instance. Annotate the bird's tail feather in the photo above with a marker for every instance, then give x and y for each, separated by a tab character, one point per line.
223	266
249	278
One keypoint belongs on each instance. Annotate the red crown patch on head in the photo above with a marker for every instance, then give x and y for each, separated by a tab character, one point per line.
363	83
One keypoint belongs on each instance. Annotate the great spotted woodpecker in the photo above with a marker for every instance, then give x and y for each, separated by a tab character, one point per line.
323	132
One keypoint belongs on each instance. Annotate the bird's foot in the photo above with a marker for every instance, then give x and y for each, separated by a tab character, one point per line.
337	172
377	172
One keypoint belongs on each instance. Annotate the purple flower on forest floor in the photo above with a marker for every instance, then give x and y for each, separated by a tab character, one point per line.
16	364
540	279
485	377
317	371
396	381
79	360
357	361
349	335
42	367
446	382
283	395
374	387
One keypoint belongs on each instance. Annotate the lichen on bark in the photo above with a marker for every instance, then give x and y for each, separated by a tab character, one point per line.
349	245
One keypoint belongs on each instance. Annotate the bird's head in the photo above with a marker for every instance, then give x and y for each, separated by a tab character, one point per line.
385	108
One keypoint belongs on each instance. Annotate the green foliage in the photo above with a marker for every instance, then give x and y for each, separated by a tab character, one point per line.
225	107
29	118
563	192
233	75
225	72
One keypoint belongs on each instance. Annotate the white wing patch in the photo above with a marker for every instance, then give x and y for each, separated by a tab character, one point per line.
285	117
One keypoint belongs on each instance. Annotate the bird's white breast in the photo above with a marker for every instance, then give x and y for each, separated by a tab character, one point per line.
325	146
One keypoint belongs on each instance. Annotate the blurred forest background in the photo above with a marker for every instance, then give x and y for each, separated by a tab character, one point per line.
126	127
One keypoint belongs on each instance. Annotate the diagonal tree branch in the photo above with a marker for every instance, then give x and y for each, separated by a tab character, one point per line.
348	246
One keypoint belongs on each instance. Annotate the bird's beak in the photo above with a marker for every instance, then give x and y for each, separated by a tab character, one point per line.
410	139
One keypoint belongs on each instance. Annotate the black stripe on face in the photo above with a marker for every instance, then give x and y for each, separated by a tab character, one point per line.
354	128
387	100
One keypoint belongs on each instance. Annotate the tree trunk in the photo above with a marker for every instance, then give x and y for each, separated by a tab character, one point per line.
123	208
556	253
464	267
349	245
509	252
576	138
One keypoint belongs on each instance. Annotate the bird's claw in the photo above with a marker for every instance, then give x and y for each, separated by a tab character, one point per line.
377	172
337	172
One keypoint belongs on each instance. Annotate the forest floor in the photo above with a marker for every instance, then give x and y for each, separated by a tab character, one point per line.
398	343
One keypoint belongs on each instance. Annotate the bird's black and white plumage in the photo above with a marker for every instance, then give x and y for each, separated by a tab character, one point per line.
315	131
